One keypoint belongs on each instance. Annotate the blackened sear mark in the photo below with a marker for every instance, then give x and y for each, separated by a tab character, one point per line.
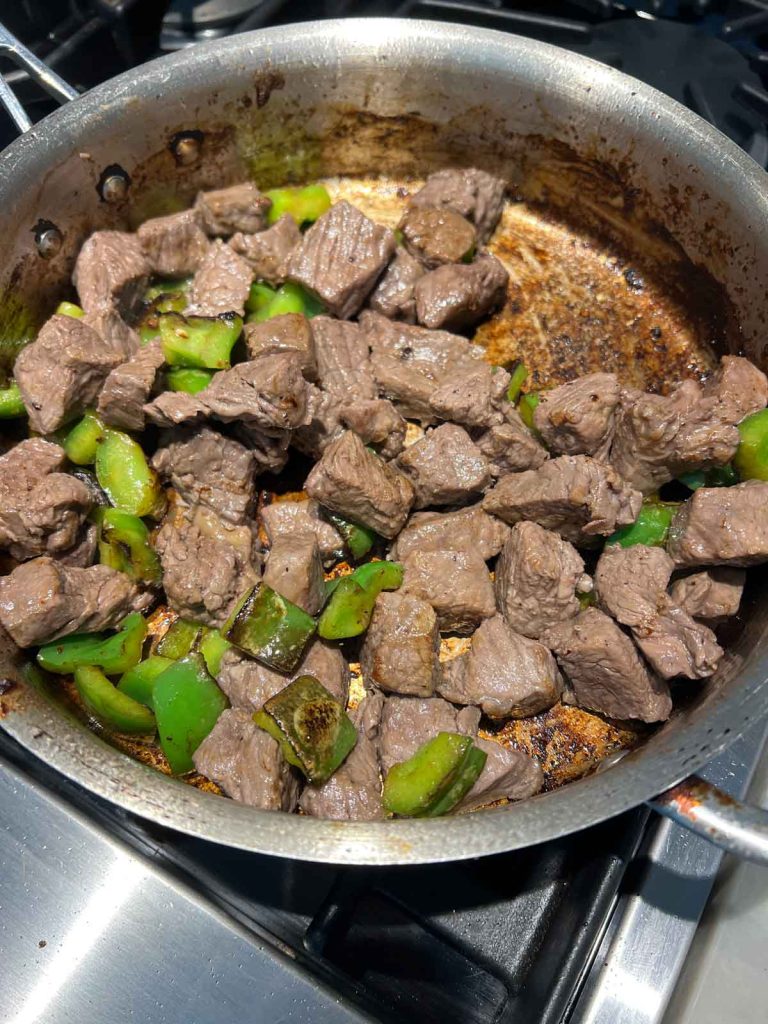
6	685
634	280
266	81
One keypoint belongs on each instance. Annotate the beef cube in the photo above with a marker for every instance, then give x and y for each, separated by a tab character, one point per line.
474	194
604	670
457	296
711	596
111	272
574	495
508	774
436	236
353	792
358	485
268	451
407	723
378	423
457	585
471	397
343	364
43	599
739	388
268	252
399	653
722	526
247	763
287	333
114	332
174	246
505	674
340	258
632	584
174	408
206	468
221	283
393	295
468	529
288	518
236	208
509	446
538	580
295	570
62	372
322	423
83	551
41	510
128	387
578	418
445	467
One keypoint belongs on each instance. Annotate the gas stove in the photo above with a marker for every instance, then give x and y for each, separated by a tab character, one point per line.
106	917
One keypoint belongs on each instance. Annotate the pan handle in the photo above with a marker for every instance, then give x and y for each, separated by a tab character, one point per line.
734	826
35	68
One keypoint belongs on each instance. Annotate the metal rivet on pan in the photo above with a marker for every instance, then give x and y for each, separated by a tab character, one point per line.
48	239
113	184
186	147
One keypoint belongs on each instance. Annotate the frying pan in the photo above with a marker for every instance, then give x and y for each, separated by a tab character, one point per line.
356	97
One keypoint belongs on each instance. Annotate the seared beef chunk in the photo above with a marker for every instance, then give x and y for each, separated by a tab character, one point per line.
605	671
268	251
111	271
221	282
41	510
474	194
83	551
322	423
43	599
378	423
469	529
437	236
445	467
538	579
510	446
287	333
340	258
360	486
574	495
248	684
247	763
115	333
399	653
393	295
173	408
295	570
288	518
175	245
457	296
343	366
269	451
61	373
128	387
632	585
722	526
503	673
407	723
206	468
456	583
353	792
578	418
508	774
712	595
738	387
237	208
473	397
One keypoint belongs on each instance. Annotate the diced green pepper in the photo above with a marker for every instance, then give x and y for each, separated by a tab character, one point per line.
213	647
518	376
751	458
350	604
718	476
113	708
469	255
311	726
166	289
126	477
124	544
70	309
270	628
187	705
358	539
526	406
11	404
113	654
259	297
305	204
179	639
82	441
435	778
651	526
165	302
139	682
205	342
290	298
187	379
586	600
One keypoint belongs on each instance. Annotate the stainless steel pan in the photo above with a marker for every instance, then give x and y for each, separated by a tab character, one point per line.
362	97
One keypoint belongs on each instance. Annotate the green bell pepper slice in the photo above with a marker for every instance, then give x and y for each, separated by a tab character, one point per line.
213	647
311	726
11	403
290	298
126	477
259	297
166	291
124	544
139	682
113	654
82	441
270	628
435	778
187	705
718	476
526	407
179	639
70	309
651	526
113	708
305	204
186	378
518	377
165	302
751	458
358	540
203	342
351	601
